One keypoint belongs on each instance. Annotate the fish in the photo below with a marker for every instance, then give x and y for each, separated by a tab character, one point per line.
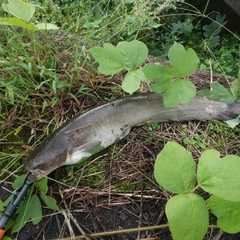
96	129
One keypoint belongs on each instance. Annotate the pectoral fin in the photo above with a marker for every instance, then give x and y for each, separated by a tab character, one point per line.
88	146
80	153
125	131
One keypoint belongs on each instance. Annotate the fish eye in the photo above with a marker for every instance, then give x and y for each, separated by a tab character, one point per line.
37	165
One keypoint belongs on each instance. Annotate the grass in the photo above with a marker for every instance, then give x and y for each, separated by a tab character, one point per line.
47	78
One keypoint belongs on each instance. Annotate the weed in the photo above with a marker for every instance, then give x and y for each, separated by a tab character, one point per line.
129	56
210	176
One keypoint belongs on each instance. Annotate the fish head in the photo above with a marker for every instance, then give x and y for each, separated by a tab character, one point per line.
56	152
45	159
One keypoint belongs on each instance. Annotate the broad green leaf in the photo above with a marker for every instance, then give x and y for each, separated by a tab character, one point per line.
188	217
161	86
50	202
175	168
46	26
233	122
179	91
227	213
219	176
156	72
6	238
109	58
235	87
161	74
1	206
18	181
42	185
133	53
183	62
217	92
154	24
132	80
17	22
28	209
19	9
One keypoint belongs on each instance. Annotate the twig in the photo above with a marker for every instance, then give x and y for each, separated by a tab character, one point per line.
141	210
77	225
67	220
218	235
102	234
69	215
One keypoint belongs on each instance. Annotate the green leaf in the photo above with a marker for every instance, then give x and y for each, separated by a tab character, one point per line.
227	213
217	92
109	58
233	122
183	62
235	85
161	74
19	9
28	209
154	24
187	216
10	93
1	206
17	22
132	81
50	202
133	53
220	176
179	91
6	238
42	185
46	26
175	168
18	181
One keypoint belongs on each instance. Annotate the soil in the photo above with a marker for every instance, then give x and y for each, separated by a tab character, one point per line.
124	195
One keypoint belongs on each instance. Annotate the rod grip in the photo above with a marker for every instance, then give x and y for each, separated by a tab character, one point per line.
2	232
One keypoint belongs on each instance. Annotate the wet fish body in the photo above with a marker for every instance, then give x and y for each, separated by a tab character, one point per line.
96	129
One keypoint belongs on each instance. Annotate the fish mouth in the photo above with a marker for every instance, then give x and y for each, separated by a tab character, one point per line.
36	175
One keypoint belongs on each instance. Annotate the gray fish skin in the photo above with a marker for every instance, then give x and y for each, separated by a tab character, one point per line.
96	129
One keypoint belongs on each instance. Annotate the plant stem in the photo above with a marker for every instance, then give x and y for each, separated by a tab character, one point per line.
101	234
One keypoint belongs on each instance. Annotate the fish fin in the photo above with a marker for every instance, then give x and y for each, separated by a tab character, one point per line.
88	146
82	152
125	132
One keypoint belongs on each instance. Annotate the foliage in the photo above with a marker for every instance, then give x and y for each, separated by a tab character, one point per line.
218	92
129	56
31	207
23	13
106	20
28	74
216	46
16	87
187	212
